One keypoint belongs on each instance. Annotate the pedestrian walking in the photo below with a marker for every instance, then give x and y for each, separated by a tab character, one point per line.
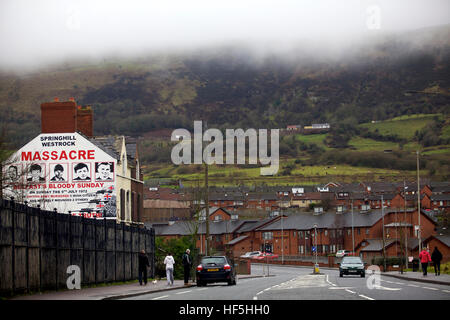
169	261
436	257
143	265
425	258
187	263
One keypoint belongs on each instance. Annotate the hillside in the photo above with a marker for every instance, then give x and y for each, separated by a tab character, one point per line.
397	76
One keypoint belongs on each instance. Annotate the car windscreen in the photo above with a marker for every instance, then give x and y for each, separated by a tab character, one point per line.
214	260
351	260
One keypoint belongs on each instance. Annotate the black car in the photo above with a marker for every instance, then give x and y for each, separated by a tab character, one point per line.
352	265
215	269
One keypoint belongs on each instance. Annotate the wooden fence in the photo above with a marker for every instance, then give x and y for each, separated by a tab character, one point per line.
37	247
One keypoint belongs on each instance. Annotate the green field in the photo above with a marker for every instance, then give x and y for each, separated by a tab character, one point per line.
363	144
404	127
302	169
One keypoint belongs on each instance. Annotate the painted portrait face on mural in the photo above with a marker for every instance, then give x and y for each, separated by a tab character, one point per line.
104	171
81	172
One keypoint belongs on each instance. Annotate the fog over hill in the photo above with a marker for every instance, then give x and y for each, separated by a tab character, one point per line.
234	64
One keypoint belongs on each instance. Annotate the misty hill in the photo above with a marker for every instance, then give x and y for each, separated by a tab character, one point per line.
235	87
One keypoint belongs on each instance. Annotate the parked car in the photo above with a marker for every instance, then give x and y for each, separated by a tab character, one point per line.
251	254
343	253
265	255
351	265
215	269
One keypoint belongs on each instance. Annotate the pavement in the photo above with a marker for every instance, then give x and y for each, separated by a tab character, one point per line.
113	292
443	279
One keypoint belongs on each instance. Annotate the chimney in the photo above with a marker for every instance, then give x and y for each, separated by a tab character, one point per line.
58	116
85	120
66	117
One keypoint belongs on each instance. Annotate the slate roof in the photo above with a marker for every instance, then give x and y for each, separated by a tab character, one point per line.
262	196
444	239
236	240
306	220
107	144
185	228
439	197
251	225
377	244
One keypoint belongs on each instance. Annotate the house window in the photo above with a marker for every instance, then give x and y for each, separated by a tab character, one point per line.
349	232
326	232
267	235
301	250
300	234
367	231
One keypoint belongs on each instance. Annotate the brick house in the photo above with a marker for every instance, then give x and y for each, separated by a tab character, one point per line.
264	201
442	242
437	202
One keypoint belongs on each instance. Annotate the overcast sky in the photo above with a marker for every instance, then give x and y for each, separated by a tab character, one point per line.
37	32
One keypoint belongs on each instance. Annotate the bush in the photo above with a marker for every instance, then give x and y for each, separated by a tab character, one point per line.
390	261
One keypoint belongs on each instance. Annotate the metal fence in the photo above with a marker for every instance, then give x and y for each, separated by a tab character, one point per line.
37	247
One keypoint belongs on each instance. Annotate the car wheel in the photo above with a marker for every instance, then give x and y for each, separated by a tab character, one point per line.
363	275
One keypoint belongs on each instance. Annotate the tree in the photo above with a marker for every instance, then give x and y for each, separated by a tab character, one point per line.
11	174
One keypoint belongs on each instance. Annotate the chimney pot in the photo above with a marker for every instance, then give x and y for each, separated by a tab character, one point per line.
56	99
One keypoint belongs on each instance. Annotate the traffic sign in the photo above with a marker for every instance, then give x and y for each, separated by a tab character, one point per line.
313	249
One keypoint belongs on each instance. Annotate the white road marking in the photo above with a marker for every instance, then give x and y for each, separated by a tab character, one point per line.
202	289
430	288
365	297
255	298
446	291
350	291
413	285
161	297
183	292
385	288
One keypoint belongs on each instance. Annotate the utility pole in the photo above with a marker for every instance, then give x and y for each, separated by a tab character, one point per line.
353	233
206	202
406	228
282	241
418	207
384	244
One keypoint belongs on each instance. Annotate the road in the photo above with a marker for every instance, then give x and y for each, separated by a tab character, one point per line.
294	283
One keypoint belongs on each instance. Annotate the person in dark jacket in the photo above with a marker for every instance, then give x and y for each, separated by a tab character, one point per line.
187	263
143	265
436	257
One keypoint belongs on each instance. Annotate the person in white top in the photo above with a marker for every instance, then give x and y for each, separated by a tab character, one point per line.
169	262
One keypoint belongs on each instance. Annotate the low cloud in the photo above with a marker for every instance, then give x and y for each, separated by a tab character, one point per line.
39	33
